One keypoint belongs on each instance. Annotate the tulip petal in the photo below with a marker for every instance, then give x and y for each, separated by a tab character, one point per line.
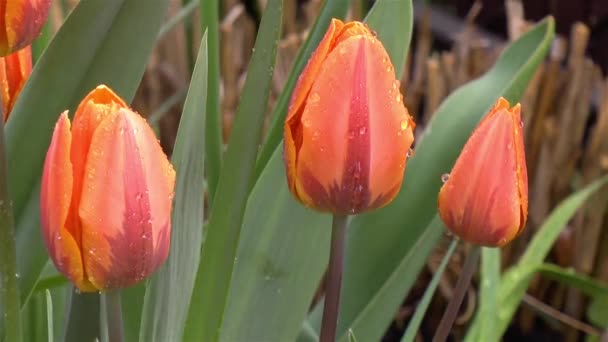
23	21
355	131
123	238
55	197
14	71
482	197
293	138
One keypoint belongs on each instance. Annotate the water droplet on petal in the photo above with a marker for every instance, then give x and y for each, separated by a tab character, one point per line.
315	135
306	122
521	123
398	97
410	153
314	97
404	124
362	130
445	177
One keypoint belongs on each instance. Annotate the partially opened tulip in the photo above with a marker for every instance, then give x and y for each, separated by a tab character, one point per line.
21	22
14	72
106	196
485	198
347	133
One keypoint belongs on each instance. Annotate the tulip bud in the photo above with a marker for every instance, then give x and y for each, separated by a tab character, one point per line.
347	133
106	195
484	200
21	22
14	71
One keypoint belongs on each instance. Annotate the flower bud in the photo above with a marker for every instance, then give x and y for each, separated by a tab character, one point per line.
106	195
484	200
347	133
14	72
21	22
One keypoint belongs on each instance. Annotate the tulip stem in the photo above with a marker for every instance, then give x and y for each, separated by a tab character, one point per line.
334	279
462	285
114	316
9	289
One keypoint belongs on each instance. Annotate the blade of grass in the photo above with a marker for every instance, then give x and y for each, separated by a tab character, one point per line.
49	316
490	280
331	9
221	241
165	309
569	277
213	126
414	325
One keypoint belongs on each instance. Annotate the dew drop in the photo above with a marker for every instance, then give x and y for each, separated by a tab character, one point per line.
398	97
58	238
362	130
139	196
315	135
410	153
404	125
314	97
389	68
384	60
396	84
521	123
17	275
306	122
502	241
445	177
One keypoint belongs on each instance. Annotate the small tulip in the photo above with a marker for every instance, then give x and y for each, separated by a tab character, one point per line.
347	133
106	195
484	200
14	71
21	22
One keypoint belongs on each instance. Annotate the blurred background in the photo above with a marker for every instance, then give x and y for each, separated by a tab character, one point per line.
565	113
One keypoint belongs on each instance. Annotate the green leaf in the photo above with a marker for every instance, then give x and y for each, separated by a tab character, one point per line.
414	325
214	144
165	309
283	252
392	20
379	242
569	277
101	42
490	280
235	183
517	278
598	311
331	9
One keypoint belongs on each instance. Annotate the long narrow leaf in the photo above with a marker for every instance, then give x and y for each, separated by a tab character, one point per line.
213	125
165	309
235	183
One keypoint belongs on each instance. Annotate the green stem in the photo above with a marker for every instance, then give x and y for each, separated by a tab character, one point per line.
449	316
334	279
113	312
8	258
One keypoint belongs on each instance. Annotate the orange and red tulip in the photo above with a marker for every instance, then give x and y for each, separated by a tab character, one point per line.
347	133
21	22
14	71
485	198
106	196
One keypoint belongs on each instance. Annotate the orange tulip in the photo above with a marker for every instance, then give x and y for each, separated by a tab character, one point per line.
485	198
14	71
107	191
21	22
347	133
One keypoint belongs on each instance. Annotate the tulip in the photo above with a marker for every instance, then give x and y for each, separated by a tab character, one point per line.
21	22
106	195
14	71
484	200
347	133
